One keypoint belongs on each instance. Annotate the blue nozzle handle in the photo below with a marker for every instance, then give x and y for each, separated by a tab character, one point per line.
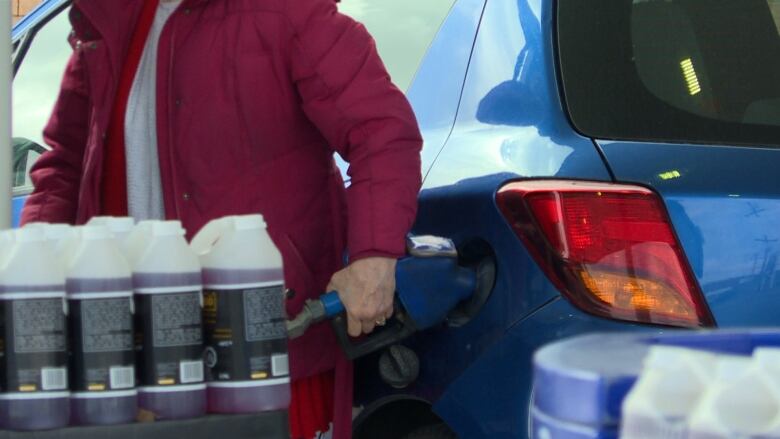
332	304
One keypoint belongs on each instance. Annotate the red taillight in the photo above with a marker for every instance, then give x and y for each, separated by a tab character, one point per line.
609	249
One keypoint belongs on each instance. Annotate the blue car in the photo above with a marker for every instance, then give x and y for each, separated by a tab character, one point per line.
615	162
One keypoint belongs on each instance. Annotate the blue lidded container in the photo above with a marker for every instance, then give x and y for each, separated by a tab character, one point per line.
580	383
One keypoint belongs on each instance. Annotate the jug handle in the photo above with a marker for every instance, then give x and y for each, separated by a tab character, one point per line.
208	235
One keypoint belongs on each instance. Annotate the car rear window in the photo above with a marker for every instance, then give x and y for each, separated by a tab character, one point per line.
403	30
697	71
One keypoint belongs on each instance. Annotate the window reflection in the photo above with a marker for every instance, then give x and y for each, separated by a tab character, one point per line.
403	30
37	82
774	6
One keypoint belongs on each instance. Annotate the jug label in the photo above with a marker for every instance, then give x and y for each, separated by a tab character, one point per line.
170	338
246	336
102	343
33	345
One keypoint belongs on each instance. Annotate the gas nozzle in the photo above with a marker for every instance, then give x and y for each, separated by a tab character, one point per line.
315	311
429	285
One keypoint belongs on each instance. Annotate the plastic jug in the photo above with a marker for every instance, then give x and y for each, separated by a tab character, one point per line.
58	236
34	367
168	297
6	242
65	248
243	316
741	404
768	359
100	298
137	240
120	226
672	382
54	232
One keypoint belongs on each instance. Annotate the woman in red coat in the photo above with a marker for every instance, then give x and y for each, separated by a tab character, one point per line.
197	109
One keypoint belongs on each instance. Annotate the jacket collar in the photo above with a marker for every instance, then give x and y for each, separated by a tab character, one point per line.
117	16
113	20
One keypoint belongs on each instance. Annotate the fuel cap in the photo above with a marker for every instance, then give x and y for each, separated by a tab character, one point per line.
399	366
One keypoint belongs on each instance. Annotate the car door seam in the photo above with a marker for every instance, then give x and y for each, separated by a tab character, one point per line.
460	94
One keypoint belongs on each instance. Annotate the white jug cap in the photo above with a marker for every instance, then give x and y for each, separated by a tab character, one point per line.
731	367
121	225
95	232
57	231
52	231
29	234
99	220
7	236
145	224
767	353
36	224
116	224
767	358
673	357
747	406
141	229
108	220
167	228
248	222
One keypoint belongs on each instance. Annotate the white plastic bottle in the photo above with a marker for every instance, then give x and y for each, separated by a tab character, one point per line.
137	240
734	404
65	248
55	232
768	359
100	298
672	382
169	297
120	226
58	235
244	316
7	241
34	364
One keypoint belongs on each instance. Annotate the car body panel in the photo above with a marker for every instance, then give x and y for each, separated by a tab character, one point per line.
17	204
16	209
724	202
510	124
510	117
490	399
466	212
436	89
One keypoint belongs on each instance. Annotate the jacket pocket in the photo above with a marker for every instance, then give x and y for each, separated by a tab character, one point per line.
309	258
298	276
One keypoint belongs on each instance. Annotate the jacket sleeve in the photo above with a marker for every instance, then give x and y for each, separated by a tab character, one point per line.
57	173
347	93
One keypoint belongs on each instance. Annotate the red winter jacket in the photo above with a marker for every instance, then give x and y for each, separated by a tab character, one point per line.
253	98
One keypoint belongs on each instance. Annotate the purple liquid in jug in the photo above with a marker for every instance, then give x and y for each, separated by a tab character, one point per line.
34	368
103	357
246	340
170	353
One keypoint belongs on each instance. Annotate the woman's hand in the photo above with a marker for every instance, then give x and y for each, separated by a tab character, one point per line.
366	288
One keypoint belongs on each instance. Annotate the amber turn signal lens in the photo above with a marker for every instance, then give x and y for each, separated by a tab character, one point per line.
627	295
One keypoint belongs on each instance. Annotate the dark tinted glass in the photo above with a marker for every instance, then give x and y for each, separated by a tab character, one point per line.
699	71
